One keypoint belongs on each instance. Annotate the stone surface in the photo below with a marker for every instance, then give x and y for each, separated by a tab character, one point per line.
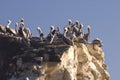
44	61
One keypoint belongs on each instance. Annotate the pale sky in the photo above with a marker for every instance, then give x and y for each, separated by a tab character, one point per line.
102	15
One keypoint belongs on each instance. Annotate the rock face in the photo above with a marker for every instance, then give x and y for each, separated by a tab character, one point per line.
44	61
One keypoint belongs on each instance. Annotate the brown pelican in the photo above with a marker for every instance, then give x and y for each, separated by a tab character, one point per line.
28	32
10	30
66	39
16	28
76	28
65	32
80	33
2	29
76	23
40	33
21	31
87	35
51	28
98	42
51	35
70	24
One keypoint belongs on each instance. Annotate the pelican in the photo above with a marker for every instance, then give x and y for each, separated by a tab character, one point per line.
70	25
10	30
65	38
65	31
16	27
98	42
87	35
51	29
21	31
52	36
21	22
28	32
76	23
2	29
69	21
80	33
40	33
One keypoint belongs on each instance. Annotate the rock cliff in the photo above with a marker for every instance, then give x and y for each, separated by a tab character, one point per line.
57	61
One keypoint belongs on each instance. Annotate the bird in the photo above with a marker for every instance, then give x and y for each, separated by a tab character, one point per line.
98	42
21	31
66	39
76	23
10	30
52	36
65	32
28	33
51	29
40	33
80	33
87	35
76	28
16	28
2	29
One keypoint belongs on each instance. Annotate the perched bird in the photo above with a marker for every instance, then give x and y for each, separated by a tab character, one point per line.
76	23
98	42
69	24
51	28
28	33
2	29
87	35
40	33
10	30
52	36
16	28
65	32
66	39
21	31
80	33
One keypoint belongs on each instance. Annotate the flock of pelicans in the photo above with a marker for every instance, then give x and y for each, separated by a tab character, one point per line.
71	31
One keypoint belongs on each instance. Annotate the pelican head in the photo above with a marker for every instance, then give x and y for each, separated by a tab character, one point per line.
69	21
51	28
9	21
77	22
81	25
16	24
21	20
65	29
88	27
39	29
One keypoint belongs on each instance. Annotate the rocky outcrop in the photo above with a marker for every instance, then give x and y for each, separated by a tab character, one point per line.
57	61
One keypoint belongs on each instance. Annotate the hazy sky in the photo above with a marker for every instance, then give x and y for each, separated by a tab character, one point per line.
102	15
